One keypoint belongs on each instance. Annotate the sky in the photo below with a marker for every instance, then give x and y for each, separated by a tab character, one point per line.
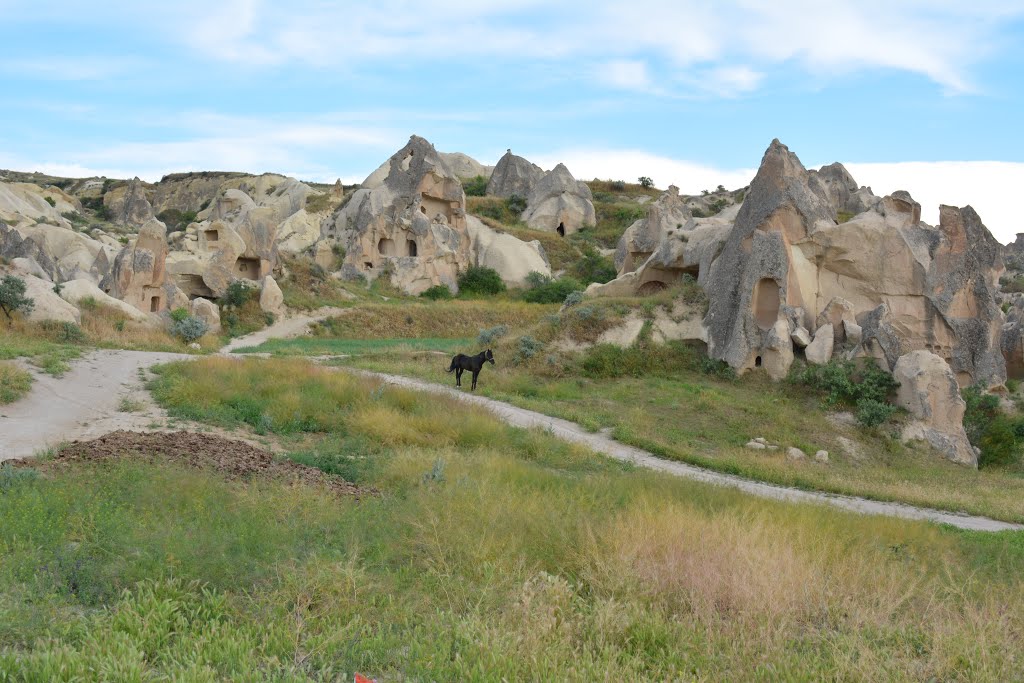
921	95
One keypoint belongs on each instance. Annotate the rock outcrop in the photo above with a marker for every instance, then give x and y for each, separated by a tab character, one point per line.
558	203
929	392
512	258
74	291
138	276
466	166
411	228
514	175
128	204
47	304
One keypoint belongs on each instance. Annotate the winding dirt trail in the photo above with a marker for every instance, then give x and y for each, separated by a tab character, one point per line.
85	402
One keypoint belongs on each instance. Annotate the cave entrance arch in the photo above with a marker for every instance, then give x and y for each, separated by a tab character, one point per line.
411	245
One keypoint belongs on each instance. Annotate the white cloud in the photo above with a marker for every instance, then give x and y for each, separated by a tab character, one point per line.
991	187
626	74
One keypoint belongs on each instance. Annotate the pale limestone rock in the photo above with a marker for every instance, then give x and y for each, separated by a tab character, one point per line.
206	311
511	257
271	297
298	232
138	274
514	175
28	266
819	351
74	291
821	456
48	305
794	453
929	392
801	337
128	204
755	446
558	203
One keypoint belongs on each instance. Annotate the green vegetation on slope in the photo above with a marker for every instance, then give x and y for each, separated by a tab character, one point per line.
493	554
14	383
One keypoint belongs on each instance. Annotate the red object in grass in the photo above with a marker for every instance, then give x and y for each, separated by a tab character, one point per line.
360	678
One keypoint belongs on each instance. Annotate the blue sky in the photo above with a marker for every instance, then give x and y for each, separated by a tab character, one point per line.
917	95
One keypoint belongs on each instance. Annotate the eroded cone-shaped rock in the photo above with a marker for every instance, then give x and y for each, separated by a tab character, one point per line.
514	175
664	217
128	204
138	274
842	190
411	228
929	392
559	203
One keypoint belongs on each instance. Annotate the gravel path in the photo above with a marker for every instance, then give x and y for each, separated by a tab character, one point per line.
570	431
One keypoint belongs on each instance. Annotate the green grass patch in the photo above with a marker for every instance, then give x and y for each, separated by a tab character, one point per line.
493	554
14	383
305	346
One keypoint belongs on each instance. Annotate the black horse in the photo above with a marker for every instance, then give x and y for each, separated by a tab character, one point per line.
472	363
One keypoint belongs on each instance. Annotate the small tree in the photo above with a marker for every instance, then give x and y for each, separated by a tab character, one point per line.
12	296
645	182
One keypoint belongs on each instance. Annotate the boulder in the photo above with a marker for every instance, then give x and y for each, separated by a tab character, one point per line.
271	297
794	453
667	216
514	175
24	265
74	291
819	351
298	232
558	203
411	228
838	312
48	305
511	257
929	392
801	337
206	311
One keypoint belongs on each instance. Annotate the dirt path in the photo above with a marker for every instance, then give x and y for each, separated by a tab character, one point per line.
286	328
84	403
600	443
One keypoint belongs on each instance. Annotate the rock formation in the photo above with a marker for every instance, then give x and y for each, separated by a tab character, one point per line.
558	203
128	204
411	228
514	175
512	258
138	276
929	392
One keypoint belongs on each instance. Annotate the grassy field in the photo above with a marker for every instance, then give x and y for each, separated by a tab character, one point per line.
324	346
14	383
681	413
493	554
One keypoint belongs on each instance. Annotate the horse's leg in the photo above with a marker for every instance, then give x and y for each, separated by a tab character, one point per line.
458	377
475	373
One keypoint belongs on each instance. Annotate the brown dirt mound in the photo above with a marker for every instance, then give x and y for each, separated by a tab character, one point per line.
235	460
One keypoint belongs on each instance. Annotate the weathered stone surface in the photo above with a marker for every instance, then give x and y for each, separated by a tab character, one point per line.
667	216
842	190
821	456
837	313
466	166
559	203
929	392
514	175
755	446
27	266
819	351
72	254
73	291
511	257
48	305
411	229
128	204
138	274
271	297
801	337
206	311
298	232
23	204
794	453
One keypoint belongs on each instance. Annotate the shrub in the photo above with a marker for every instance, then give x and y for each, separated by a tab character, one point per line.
490	335
179	314
645	182
617	185
516	204
864	387
12	296
189	329
176	220
481	280
544	290
437	292
717	368
999	436
63	332
475	187
49	200
526	348
237	294
574	299
594	267
14	383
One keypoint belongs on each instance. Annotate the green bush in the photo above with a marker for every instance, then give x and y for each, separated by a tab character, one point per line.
526	348
237	294
516	204
645	182
480	280
490	335
179	314
640	360
717	368
189	329
544	290
593	267
176	220
999	436
864	387
63	332
12	296
574	299
437	292
50	201
475	187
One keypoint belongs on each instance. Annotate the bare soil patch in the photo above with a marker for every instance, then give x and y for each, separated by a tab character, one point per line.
235	460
